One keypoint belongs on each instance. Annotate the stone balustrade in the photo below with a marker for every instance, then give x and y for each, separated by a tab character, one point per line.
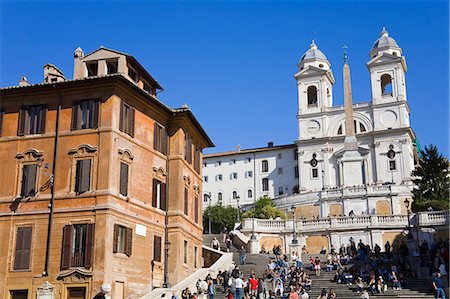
345	223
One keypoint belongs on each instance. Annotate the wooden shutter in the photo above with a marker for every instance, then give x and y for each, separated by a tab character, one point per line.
95	114
116	238
186	201
75	115
121	117
123	179
83	176
157	249
131	121
164	141
154	194
66	252
196	210
163	197
89	245
23	248
23	113
29	173
156	136
43	117
128	240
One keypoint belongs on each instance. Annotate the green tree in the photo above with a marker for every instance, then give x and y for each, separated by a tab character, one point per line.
221	218
264	209
431	180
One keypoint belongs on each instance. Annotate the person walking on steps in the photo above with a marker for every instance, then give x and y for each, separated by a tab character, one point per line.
242	255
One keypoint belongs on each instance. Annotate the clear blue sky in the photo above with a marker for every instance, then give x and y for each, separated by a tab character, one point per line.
233	62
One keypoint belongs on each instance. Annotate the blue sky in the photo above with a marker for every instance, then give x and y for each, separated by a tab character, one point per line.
233	62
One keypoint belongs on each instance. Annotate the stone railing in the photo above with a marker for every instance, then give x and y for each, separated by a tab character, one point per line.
345	223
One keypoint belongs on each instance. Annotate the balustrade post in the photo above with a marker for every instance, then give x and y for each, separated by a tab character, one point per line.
334	222
373	220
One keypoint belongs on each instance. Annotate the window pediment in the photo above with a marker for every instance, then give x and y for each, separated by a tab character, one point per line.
83	150
30	155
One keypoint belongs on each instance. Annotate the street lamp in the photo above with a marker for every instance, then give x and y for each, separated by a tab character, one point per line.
209	212
238	210
294	236
410	236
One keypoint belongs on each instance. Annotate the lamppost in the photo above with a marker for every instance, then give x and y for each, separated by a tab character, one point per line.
238	210
209	212
294	235
410	236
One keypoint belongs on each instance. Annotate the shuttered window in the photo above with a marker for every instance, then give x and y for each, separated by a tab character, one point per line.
157	249
126	121
123	239
187	148
23	248
196	159
77	246
2	116
85	114
29	174
19	294
83	176
196	209
123	179
160	139
186	201
32	120
159	195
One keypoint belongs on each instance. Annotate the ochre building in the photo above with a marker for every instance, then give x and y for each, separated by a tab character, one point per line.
122	169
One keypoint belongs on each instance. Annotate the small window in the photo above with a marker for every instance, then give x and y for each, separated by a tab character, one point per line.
205	164
159	195
92	68
219	197
22	251
195	256
157	249
362	128
279	155
312	96
132	74
250	193
296	154
394	53
248	160
386	84
112	66
160	138
205	178
233	176
232	162
265	184
392	165
126	122
83	176
218	163
296	172
85	114
315	173
264	166
185	259
123	184
186	201
235	195
249	174
32	120
321	65
205	197
123	238
29	175
339	131
219	177
280	170
280	190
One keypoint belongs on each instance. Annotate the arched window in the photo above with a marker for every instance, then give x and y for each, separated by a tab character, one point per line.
205	198
219	198
386	84
235	195
339	132
280	190
264	166
362	128
249	193
296	189
312	96
265	184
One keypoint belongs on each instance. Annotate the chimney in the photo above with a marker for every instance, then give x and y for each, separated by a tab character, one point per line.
23	81
78	66
270	144
52	74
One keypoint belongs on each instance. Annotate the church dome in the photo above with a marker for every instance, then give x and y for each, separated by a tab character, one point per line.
313	53
385	41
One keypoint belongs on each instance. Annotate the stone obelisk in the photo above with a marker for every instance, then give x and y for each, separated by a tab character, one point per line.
351	160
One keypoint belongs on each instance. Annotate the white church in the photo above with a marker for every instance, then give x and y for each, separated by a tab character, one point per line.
353	160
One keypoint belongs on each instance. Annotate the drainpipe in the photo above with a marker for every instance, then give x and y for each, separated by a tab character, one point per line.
166	218
52	192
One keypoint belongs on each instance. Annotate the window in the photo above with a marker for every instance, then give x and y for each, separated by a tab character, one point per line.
279	156
280	190
315	173
186	201
196	209
123	184
264	166
312	96
77	247
386	84
233	176
218	163
22	252
280	170
187	149
392	165
265	184
249	193
19	294
232	162
205	164
195	256
29	175
196	159
248	160
83	176
76	293
205	178
235	195
159	195
132	74
249	174
185	251
123	239
126	122
205	197
2	116
92	68
362	128
160	139
295	154
85	114
219	177
148	88
296	172
32	120
157	249
219	197
339	131
112	65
